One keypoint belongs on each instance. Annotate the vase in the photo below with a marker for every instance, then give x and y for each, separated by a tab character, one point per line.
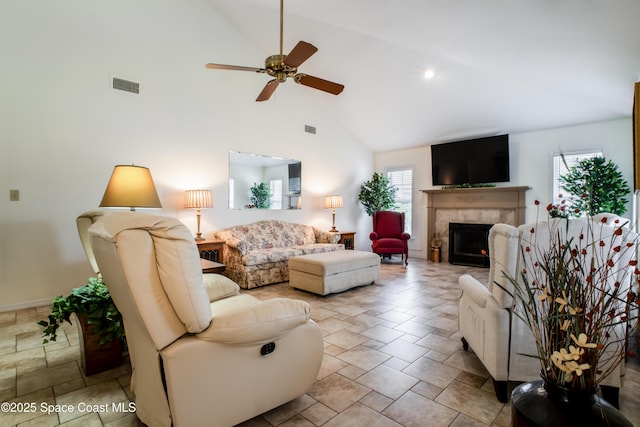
544	404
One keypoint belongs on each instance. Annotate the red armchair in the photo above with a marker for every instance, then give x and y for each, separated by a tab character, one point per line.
388	236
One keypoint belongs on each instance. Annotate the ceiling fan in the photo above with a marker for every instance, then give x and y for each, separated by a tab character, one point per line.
282	66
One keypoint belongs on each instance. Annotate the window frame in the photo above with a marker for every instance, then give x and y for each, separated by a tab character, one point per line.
409	223
558	169
276	196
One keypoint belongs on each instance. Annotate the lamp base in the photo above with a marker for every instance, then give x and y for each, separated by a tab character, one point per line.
333	222
199	237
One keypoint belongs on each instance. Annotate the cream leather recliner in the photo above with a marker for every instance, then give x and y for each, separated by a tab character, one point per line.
202	354
487	323
83	222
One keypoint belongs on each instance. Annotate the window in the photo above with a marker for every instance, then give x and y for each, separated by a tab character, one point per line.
275	188
402	179
231	193
560	169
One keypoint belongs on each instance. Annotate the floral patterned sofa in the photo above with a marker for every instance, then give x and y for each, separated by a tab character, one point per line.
257	254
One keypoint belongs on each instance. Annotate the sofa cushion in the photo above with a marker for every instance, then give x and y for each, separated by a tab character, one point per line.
264	256
386	243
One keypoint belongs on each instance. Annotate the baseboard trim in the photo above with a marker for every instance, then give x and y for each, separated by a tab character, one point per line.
25	305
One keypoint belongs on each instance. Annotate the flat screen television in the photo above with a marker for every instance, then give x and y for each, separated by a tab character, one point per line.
473	161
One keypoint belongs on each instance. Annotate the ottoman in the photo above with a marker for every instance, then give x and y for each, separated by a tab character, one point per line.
328	272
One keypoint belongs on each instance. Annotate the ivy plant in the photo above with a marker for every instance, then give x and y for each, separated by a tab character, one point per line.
595	186
377	194
92	300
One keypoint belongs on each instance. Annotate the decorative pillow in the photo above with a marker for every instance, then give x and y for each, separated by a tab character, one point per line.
219	286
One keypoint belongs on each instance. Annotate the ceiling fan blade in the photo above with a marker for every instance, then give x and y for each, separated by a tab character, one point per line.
318	83
234	67
268	90
300	53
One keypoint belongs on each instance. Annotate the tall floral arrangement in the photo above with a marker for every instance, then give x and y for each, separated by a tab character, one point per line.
577	295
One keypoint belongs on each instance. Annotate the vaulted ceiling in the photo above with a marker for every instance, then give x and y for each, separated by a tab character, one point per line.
501	66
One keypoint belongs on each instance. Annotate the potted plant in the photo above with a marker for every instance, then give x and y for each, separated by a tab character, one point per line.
596	185
261	196
574	294
377	194
99	321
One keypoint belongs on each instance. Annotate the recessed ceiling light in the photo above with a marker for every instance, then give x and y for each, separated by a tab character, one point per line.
429	74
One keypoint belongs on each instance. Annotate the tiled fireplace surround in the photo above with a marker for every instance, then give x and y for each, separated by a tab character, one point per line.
483	205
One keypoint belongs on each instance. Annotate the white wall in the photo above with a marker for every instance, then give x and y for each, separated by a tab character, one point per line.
243	178
63	128
418	159
531	156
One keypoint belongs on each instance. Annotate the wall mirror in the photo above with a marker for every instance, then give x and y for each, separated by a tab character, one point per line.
264	182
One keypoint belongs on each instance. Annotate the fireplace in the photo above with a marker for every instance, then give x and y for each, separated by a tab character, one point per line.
466	243
482	205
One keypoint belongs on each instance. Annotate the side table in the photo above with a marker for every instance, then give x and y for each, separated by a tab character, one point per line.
211	266
211	250
348	239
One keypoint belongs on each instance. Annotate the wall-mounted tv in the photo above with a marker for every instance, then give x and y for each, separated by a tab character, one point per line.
473	161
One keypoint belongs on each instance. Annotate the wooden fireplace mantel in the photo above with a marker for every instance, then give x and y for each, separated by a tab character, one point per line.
473	205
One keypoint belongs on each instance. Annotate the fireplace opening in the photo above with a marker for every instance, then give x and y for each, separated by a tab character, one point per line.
466	243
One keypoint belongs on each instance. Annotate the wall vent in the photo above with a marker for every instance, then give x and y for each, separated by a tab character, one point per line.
126	85
310	129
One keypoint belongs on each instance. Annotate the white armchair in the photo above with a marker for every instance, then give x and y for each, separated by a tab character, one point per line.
202	354
485	310
500	339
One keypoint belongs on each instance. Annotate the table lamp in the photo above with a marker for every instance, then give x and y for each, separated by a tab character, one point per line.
333	202
132	187
198	199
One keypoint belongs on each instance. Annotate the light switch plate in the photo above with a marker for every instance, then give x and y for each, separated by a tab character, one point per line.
14	195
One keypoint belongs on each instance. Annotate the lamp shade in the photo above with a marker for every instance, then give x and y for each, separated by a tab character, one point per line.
131	186
197	199
332	202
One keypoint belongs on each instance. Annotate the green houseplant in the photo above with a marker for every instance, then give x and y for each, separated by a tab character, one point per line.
596	186
261	195
98	319
377	194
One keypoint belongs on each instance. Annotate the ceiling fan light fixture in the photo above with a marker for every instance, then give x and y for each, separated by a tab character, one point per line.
281	67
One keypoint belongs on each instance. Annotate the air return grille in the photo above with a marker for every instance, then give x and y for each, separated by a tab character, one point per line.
126	85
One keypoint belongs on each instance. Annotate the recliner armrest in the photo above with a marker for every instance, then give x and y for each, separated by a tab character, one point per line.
258	323
373	236
405	236
475	290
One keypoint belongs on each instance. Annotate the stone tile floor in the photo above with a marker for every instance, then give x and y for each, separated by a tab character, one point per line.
393	357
